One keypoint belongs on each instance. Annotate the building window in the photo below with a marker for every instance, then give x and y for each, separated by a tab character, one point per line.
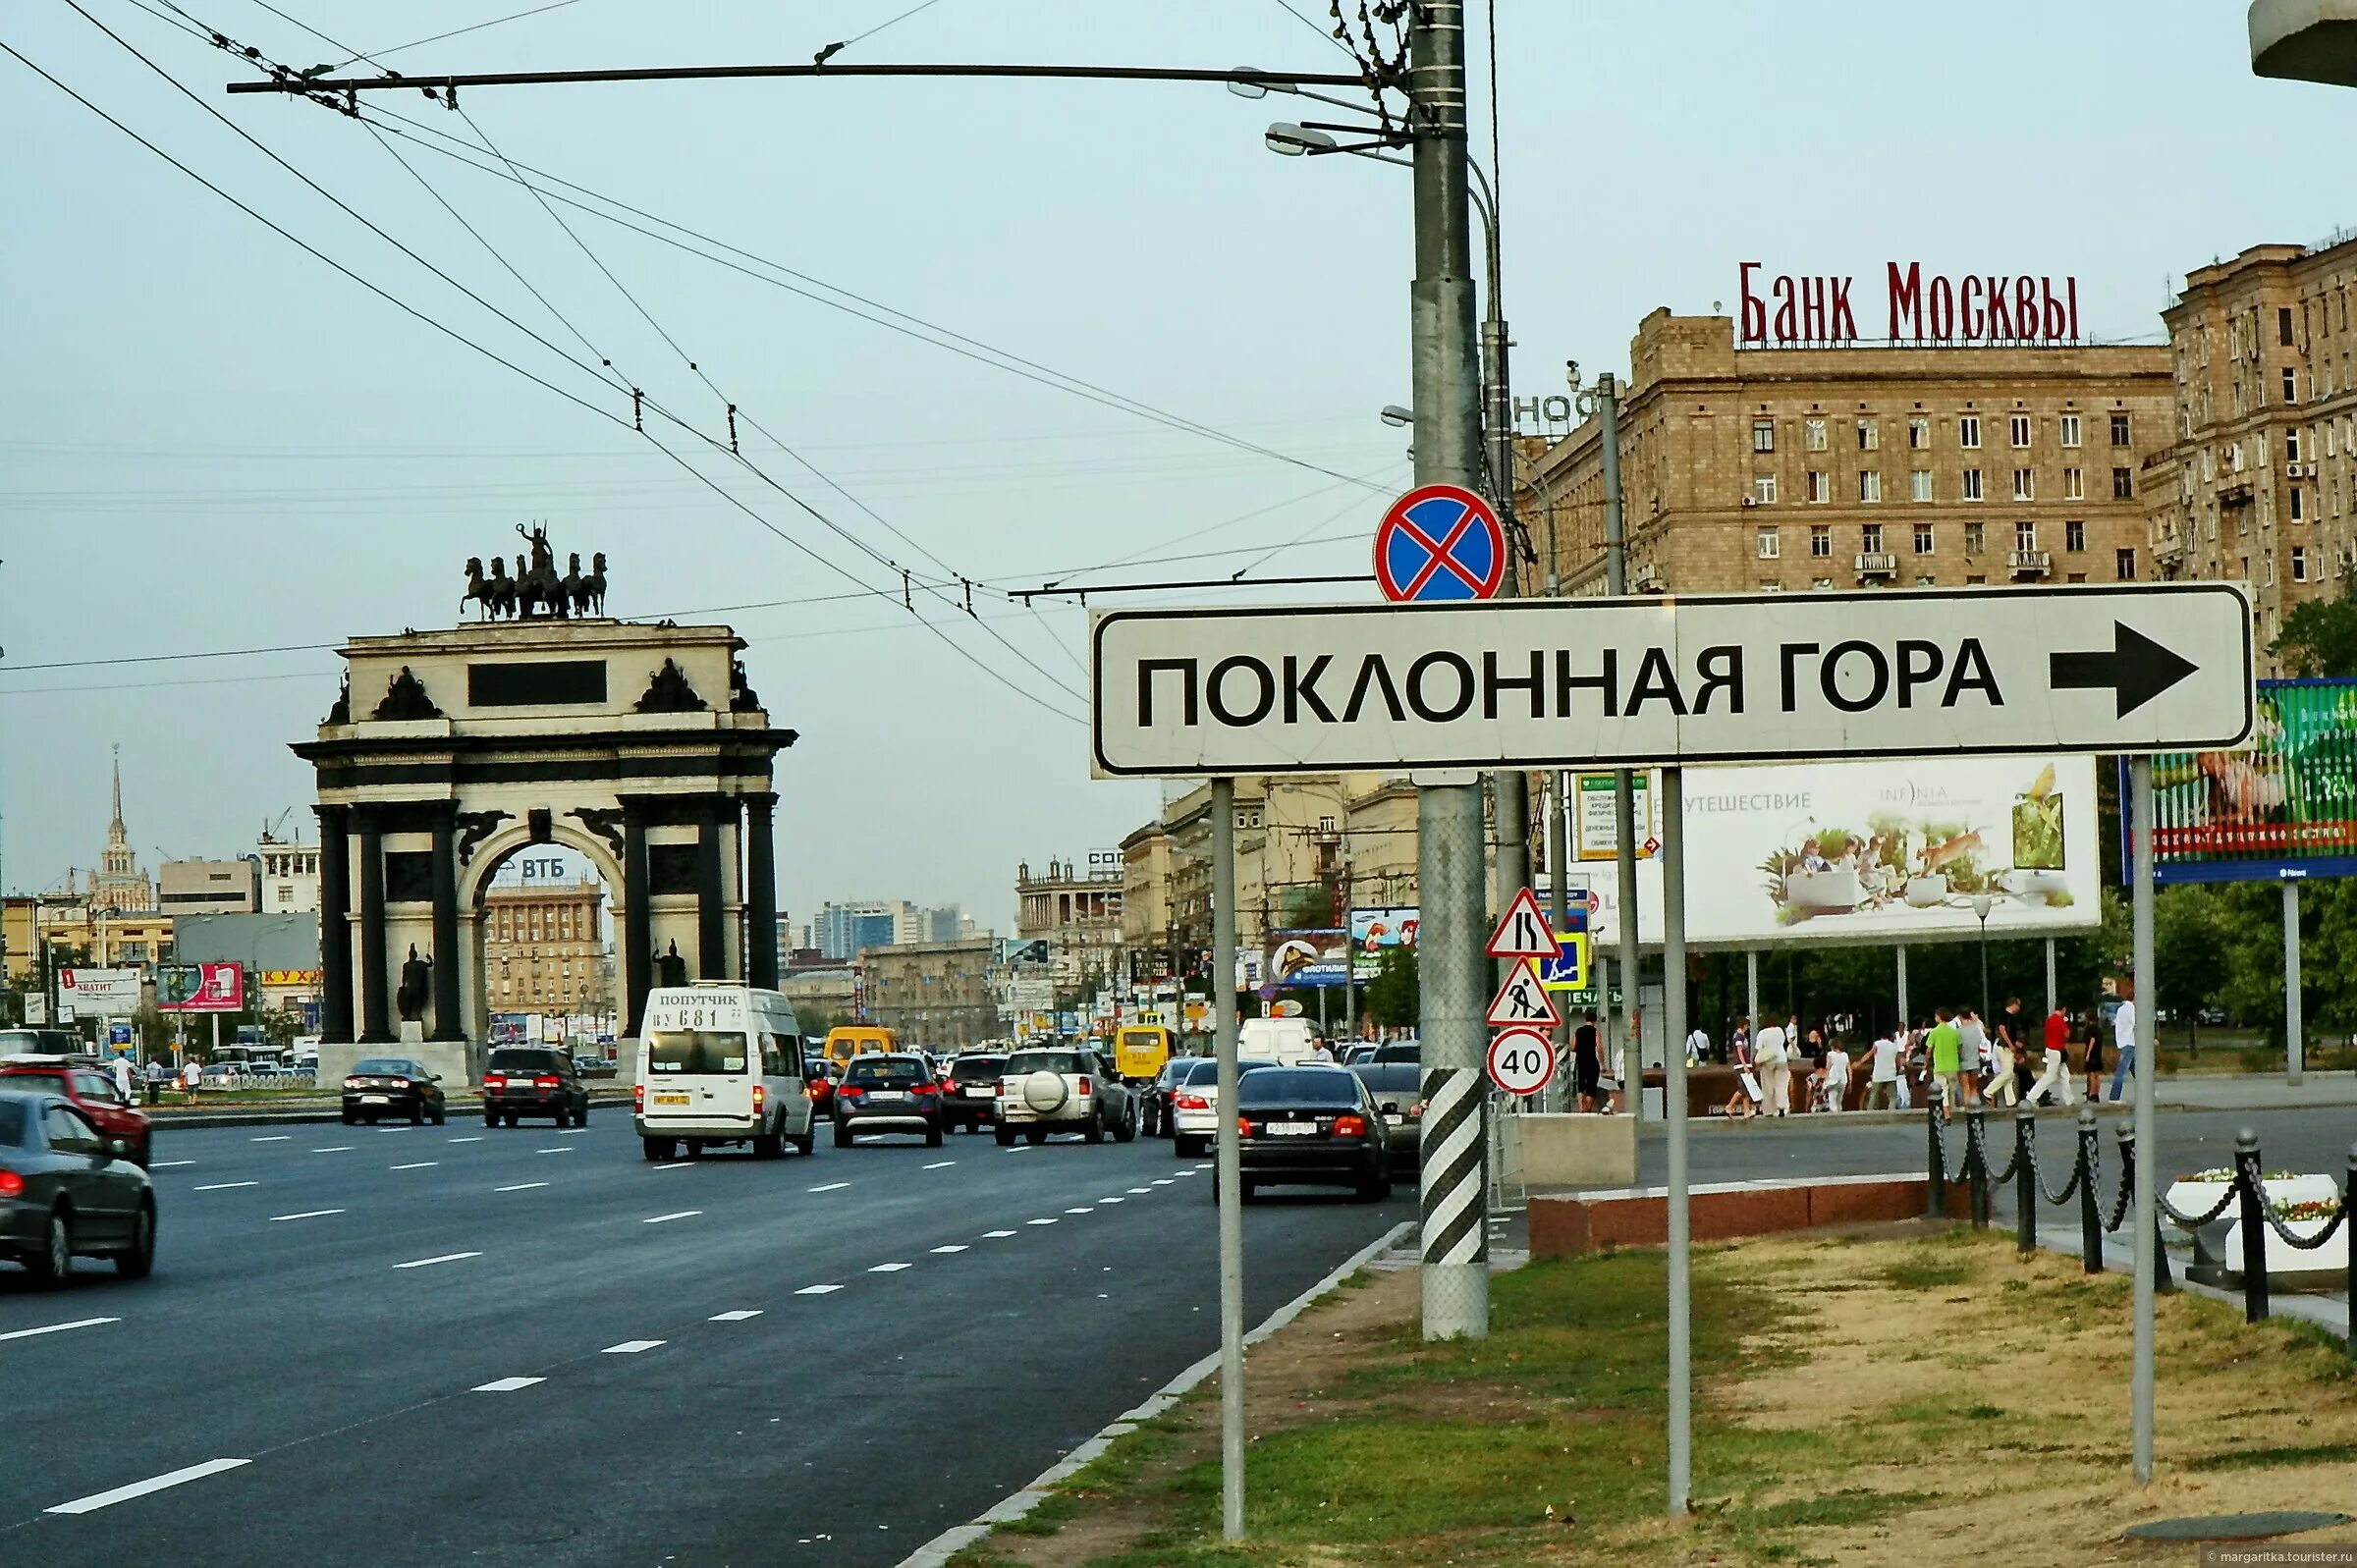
1870	435
2123	484
2074	484
1763	435
1820	488
2291	445
1976	538
2024	484
2299	506
1975	579
1919	485
286	892
1972	484
2075	537
1770	544
1923	538
2124	561
1813	433
2076	577
2291	385
2071	430
2119	430
2020	428
1870	485
1870	538
1772	587
1820	540
2299	563
2025	536
2284	325
1968	431
1763	489
1919	435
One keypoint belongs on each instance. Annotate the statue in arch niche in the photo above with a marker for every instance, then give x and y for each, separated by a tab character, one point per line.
669	968
417	983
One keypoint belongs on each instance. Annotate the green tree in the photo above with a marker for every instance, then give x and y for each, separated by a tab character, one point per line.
1310	909
2320	636
1393	996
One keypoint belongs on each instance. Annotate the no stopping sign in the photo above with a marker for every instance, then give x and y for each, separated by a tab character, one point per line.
1521	1061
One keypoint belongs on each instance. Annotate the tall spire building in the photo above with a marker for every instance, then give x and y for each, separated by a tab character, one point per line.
119	886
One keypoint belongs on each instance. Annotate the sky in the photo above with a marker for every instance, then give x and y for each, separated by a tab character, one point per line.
212	441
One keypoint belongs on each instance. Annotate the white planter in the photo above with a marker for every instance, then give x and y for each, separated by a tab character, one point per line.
2288	1265
2199	1197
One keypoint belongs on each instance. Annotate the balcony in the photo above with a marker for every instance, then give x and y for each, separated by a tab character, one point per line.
1877	563
2030	563
1646	579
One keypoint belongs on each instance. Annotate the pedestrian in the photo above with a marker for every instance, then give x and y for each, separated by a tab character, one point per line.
1768	1062
1883	1086
2056	1033
1698	1046
1998	1053
1587	1062
2123	1041
1738	1045
190	1075
157	1076
1835	1075
1946	1043
2056	1083
1321	1051
2091	1055
2014	1029
121	1070
1972	1052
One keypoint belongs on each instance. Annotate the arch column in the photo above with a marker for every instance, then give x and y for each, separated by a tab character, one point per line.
448	1025
761	896
711	907
376	1027
335	925
638	915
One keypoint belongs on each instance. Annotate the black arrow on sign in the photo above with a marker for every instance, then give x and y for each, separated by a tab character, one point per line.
2136	670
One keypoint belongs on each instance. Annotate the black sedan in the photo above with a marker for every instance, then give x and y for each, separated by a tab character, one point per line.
969	1091
392	1086
1154	1101
67	1192
1310	1126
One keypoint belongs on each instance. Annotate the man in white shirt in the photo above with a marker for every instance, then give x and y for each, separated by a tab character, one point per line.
2123	1040
1881	1075
1775	1073
1835	1074
1698	1046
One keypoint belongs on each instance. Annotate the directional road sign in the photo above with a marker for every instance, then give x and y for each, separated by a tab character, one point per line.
1440	543
1522	930
1521	1061
1586	683
1523	1000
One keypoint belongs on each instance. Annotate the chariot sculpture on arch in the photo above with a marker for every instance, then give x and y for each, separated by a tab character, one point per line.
536	591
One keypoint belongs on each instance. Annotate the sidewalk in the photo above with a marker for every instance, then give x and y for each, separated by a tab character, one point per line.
2254	1092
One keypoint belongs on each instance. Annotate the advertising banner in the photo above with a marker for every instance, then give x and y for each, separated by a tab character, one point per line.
1372	930
200	988
1594	823
100	992
1880	852
1308	957
2287	808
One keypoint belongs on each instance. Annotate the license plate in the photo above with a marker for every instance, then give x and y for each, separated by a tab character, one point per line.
1290	1129
1394	1118
372	1099
671	1099
889	1094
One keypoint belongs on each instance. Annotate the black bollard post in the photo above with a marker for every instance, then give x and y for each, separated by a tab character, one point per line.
2025	1180
2091	1215
1976	1159
2252	1193
1936	1199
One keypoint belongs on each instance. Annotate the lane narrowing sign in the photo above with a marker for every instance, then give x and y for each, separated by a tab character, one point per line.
1522	931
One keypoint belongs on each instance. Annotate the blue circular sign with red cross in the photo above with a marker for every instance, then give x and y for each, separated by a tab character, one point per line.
1438	543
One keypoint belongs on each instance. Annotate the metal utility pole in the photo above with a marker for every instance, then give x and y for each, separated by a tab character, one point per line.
2143	996
1674	1111
1624	804
1456	1272
1510	787
1228	1167
2294	1025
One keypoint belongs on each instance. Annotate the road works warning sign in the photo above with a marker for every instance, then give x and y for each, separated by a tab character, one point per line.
2160	667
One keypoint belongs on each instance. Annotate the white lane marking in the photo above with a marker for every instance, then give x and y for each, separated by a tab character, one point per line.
1111	1200
676	1165
478	1138
818	1290
1048	1222
162	1164
888	1269
831	1186
1186	1172
664	1219
57	1328
307	1213
561	1149
448	1257
393	1129
1021	1148
955	1246
996	1235
521	1186
1162	1181
1143	1190
941	1165
632	1347
417	1164
506	1386
336	1148
140	1488
1202	1168
1086	1209
224	1186
739	1315
276	1137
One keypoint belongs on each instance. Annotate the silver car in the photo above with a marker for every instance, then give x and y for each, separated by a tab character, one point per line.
1063	1089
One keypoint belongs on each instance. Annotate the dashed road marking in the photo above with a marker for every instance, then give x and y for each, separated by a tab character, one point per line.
336	1148
996	1235
941	1165
57	1328
632	1347
664	1219
506	1386
888	1269
415	1164
676	1165
448	1257
1048	1222
1111	1200
818	1290
1084	1209
521	1186
739	1315
559	1148
162	1164
276	1137
1143	1190
307	1213
955	1246
475	1138
224	1186
140	1488
831	1186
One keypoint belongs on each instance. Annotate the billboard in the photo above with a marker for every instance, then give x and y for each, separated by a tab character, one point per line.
1595	824
1372	930
200	988
2287	808
100	992
1880	851
1312	956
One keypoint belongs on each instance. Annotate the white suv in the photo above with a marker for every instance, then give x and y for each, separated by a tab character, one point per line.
1065	1089
1195	1104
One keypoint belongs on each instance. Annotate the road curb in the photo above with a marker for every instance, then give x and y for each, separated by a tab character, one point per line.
937	1552
199	1120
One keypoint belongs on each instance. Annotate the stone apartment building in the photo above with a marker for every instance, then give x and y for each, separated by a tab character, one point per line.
544	948
1764	469
935	996
1077	911
2257	482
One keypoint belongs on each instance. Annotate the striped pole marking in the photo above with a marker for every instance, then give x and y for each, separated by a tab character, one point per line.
1456	1196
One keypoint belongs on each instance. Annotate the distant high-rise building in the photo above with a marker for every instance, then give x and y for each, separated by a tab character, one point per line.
119	886
842	930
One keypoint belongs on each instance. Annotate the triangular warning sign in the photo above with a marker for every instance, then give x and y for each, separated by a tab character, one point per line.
1524	933
1524	1001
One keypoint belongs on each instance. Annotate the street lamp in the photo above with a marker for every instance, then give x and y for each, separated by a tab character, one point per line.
1982	903
1292	141
1396	416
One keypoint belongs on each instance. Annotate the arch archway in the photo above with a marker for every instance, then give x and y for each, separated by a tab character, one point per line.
641	748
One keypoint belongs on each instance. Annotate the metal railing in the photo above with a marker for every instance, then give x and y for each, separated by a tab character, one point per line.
2245	1192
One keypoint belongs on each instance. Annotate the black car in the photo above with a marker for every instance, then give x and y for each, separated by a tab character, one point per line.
897	1092
1309	1127
969	1091
1154	1099
392	1086
65	1191
1399	1091
533	1081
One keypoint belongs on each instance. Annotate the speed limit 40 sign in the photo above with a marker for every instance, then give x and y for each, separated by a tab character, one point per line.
1521	1061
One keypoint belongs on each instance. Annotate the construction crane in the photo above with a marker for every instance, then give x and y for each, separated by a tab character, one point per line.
270	829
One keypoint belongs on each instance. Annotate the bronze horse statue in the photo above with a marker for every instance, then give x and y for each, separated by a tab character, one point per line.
495	593
539	585
590	596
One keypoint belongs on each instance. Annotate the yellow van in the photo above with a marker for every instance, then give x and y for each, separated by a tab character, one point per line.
859	1040
1140	1050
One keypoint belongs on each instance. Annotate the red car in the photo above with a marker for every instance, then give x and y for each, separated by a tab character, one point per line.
92	1092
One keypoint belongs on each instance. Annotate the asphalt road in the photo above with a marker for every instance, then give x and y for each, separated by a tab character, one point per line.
446	1345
